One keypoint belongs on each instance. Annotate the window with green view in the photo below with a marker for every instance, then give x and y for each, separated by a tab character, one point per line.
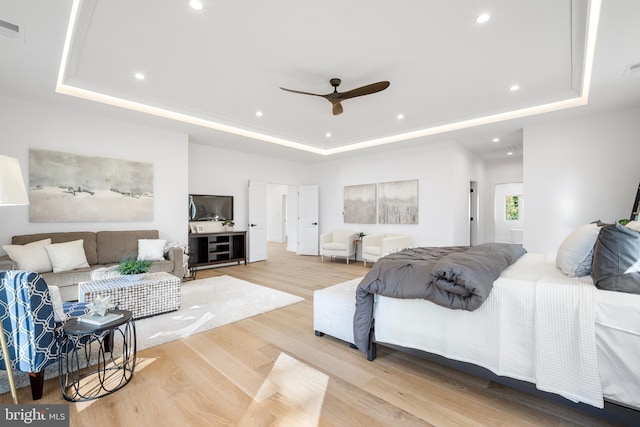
511	208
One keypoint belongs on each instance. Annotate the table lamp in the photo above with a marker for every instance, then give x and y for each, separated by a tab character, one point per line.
12	193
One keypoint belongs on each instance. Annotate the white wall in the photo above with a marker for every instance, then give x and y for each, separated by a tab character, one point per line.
578	171
27	125
443	171
216	171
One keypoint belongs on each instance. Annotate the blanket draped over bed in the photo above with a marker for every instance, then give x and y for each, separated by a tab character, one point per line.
457	277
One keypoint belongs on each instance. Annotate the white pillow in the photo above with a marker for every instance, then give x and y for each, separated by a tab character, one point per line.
576	251
151	249
634	225
58	312
30	257
67	256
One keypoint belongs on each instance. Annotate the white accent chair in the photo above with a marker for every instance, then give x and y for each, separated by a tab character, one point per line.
376	246
338	244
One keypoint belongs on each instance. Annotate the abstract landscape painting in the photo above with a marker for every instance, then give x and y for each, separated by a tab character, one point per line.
360	204
398	202
67	187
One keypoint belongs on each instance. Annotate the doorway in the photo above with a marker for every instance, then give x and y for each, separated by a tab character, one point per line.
509	213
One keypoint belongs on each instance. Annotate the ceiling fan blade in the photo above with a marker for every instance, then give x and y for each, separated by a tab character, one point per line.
337	109
364	90
303	93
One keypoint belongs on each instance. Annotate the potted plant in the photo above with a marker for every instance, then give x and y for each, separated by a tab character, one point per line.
228	224
360	235
133	269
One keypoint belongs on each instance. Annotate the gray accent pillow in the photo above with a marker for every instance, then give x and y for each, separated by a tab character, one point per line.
616	259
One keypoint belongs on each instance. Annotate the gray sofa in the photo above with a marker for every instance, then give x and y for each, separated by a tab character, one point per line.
102	249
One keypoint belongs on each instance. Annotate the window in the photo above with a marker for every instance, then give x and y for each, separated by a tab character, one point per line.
512	210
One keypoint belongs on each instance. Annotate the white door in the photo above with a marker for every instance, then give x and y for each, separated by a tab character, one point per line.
308	220
257	221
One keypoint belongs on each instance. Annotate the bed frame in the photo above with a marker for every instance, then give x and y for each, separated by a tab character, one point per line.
612	412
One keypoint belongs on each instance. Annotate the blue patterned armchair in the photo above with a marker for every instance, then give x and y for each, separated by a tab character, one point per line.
27	315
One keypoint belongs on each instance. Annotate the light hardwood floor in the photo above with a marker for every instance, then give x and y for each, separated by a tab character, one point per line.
272	370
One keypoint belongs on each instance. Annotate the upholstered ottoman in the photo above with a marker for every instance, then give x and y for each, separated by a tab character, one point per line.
151	294
333	310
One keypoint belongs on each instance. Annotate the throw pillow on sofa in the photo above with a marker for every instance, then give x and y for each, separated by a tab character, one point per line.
67	256
151	249
30	257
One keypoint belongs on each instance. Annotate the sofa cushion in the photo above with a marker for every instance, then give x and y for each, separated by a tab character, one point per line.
30	257
66	278
334	246
373	250
67	256
88	237
116	246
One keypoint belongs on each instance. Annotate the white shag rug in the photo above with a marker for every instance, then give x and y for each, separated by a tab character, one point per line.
205	304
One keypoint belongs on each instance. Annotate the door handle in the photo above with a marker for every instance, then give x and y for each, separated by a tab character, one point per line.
314	223
253	225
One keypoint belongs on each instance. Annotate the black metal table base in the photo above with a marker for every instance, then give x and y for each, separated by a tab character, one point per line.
97	362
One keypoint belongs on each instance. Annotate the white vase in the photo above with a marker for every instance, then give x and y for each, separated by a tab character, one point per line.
134	277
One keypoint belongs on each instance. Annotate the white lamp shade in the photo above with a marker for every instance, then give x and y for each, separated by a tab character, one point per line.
12	190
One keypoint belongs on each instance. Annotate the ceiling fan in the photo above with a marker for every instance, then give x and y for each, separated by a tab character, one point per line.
335	98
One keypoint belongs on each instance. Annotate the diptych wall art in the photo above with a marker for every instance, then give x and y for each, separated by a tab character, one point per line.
391	203
398	202
66	187
360	204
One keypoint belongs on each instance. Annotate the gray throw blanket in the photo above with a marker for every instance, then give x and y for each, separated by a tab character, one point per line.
458	277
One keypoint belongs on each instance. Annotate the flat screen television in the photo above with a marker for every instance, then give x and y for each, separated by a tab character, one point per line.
205	207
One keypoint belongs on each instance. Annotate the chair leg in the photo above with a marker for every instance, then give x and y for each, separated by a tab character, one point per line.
321	258
37	384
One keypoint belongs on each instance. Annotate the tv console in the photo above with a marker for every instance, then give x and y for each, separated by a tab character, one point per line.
210	249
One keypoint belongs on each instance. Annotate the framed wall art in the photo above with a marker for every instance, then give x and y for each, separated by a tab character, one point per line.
398	202
65	187
360	204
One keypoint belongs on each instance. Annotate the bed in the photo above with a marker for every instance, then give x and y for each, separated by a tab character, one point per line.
537	325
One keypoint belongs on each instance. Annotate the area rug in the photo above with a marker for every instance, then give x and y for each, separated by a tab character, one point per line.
206	304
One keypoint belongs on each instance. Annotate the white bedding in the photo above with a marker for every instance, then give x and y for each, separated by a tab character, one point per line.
537	325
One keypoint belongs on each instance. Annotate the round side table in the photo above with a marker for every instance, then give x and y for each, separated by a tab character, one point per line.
96	360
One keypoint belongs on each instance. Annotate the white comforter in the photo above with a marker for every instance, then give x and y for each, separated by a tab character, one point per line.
537	325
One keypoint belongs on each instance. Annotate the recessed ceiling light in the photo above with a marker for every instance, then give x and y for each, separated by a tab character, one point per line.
514	88
196	4
139	76
259	113
400	116
483	18
496	139
328	134
509	153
